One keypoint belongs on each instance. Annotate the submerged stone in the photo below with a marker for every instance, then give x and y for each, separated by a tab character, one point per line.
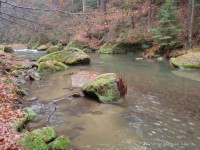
108	88
191	60
68	56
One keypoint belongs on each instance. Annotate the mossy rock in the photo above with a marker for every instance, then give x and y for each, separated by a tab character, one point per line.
29	115
42	48
120	48
54	48
46	133
69	56
50	66
60	143
81	45
108	88
39	39
32	141
111	49
8	49
191	60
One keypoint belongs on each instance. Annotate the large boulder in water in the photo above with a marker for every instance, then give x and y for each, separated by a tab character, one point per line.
68	56
39	39
108	88
191	60
8	49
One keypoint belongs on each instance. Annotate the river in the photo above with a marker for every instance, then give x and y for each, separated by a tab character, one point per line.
160	111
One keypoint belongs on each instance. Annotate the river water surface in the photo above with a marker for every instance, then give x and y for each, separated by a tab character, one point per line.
160	111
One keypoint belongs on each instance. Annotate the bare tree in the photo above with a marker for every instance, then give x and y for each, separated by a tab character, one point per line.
84	6
103	6
189	25
149	23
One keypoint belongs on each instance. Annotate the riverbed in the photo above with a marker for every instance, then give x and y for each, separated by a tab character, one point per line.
160	111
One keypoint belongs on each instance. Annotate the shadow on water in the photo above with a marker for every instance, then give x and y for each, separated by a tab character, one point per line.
161	110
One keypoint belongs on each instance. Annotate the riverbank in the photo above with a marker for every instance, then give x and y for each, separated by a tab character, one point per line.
9	104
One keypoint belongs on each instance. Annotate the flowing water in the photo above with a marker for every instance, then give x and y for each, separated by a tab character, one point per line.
160	111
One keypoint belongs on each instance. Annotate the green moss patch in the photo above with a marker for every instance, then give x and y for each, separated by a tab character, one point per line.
50	66
60	143
29	115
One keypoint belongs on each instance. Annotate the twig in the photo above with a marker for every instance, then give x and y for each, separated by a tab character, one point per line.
52	112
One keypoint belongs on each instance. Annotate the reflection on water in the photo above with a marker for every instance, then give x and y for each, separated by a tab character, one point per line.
161	110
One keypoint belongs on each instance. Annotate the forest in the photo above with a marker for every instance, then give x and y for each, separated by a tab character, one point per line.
99	74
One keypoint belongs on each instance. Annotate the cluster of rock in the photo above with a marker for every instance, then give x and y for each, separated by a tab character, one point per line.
44	139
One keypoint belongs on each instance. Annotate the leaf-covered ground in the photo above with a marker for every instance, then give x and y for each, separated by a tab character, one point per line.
8	99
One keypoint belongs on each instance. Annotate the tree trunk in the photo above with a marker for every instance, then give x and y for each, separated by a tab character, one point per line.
103	6
84	6
0	10
149	15
189	25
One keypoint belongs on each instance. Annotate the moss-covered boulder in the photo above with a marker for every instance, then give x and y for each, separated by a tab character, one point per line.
69	56
60	143
8	49
111	49
32	142
43	139
191	60
37	139
46	133
42	48
54	48
29	115
81	45
39	39
50	66
108	88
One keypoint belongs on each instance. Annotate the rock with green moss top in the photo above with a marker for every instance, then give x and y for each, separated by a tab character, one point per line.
54	48
29	115
46	133
8	49
50	66
108	88
60	143
81	45
191	60
32	141
39	39
69	56
42	48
